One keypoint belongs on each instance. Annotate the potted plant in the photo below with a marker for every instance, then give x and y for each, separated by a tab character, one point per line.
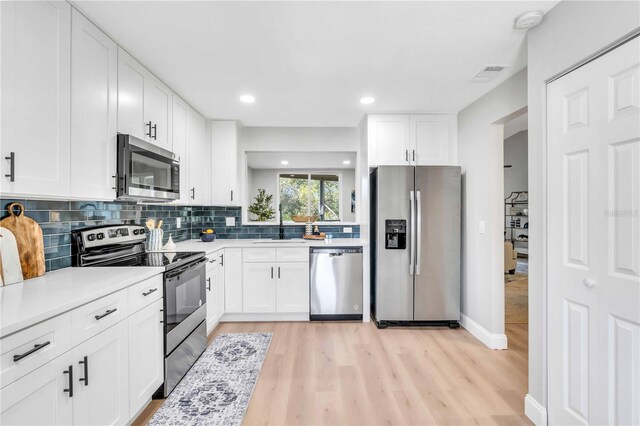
261	208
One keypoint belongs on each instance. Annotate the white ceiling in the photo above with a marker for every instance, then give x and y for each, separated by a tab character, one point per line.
301	160
308	63
516	125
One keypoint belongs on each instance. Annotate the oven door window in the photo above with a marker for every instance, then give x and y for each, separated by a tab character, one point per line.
185	293
150	172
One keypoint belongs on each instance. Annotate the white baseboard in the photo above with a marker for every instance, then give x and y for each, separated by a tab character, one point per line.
276	316
534	411
492	341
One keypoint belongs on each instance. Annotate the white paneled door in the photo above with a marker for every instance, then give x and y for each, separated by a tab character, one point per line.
594	241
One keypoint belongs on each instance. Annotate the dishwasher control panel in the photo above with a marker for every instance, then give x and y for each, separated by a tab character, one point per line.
395	231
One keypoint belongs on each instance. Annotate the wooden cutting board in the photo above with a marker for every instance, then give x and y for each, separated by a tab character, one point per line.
29	240
10	268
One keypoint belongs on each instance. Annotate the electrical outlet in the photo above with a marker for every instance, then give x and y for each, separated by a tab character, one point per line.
178	222
230	221
347	230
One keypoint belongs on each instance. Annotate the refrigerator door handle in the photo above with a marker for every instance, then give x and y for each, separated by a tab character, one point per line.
412	234
418	231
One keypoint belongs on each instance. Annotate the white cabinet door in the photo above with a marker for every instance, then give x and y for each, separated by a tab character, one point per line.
221	274
389	143
39	398
258	287
433	139
199	159
35	86
181	146
131	87
101	378
213	295
94	109
146	355
232	280
224	158
158	105
293	287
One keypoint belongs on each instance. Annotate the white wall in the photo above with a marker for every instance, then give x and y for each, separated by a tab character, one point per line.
300	139
571	32
480	150
515	154
268	180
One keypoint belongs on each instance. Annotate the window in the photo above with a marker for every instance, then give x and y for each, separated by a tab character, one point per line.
310	194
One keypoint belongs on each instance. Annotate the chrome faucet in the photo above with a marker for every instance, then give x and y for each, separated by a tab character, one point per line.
281	233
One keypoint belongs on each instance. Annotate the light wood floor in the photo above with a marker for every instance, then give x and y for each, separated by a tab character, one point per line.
352	373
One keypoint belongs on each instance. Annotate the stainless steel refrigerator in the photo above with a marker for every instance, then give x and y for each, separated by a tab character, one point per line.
415	245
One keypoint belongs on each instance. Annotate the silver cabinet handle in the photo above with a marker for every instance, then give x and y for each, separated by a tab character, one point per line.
148	134
412	224
193	193
155	132
12	166
406	155
418	231
413	155
232	195
272	272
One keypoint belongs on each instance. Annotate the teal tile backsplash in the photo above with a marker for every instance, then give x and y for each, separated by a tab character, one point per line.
59	218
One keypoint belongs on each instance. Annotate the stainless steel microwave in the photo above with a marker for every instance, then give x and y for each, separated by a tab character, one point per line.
146	172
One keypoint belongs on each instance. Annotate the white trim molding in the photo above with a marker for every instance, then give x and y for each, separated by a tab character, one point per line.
535	411
490	340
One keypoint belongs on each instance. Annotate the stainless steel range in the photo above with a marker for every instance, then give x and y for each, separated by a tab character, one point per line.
184	289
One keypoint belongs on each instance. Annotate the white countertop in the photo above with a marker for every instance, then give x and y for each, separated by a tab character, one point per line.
218	244
27	303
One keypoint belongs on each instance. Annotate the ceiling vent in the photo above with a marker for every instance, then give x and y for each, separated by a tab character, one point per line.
488	73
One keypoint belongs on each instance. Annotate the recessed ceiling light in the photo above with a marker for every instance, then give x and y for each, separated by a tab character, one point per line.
367	100
346	162
529	19
247	99
284	162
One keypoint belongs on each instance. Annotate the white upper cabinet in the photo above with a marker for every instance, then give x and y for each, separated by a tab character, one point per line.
35	86
199	163
224	163
94	108
398	139
144	103
433	139
389	140
180	146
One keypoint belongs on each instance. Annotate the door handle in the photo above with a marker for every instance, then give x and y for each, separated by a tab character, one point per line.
406	155
278	272
70	373
148	134
209	284
146	293
232	195
412	224
589	283
272	272
222	260
108	312
85	379
413	155
418	231
36	348
12	166
155	132
193	193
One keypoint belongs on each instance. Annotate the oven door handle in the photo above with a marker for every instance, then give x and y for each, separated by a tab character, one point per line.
185	268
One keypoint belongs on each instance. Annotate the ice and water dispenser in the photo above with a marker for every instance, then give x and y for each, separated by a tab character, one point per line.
395	234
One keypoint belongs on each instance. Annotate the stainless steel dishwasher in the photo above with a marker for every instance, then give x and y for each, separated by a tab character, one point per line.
336	283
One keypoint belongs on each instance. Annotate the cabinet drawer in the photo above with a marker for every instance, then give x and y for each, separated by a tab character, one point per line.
292	254
33	347
213	261
259	254
97	316
144	293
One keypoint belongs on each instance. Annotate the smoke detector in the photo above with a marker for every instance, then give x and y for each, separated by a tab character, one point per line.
488	73
527	20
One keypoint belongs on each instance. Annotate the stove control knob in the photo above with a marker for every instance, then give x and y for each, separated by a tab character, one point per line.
136	231
142	231
100	236
91	237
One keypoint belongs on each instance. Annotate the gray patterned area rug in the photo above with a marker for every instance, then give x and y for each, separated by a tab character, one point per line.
218	388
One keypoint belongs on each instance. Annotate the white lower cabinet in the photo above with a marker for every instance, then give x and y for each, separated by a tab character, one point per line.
101	378
40	397
146	360
258	287
292	287
233	280
214	293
